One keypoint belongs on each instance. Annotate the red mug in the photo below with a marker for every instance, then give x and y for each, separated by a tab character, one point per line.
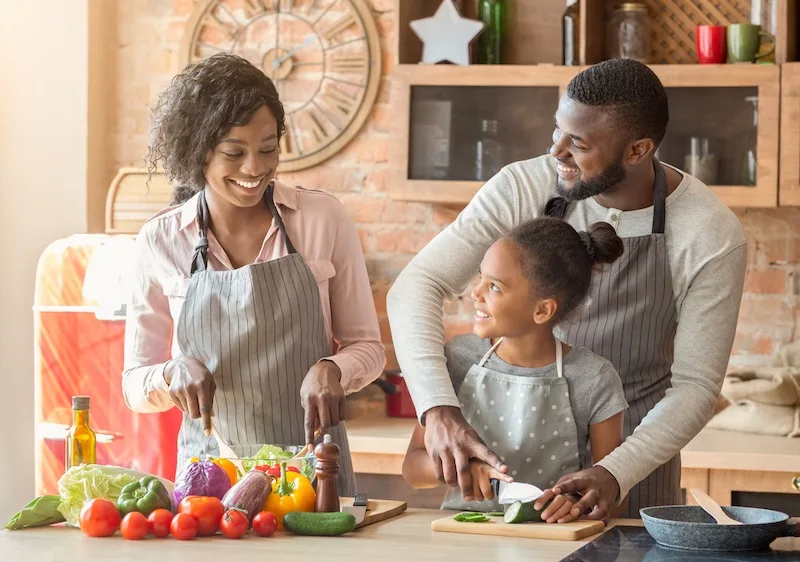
712	44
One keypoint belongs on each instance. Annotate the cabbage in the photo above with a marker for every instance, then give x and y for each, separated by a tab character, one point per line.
201	478
88	481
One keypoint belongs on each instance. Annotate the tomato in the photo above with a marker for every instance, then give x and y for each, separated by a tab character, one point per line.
134	526
158	523
183	527
99	518
234	523
265	523
275	471
207	510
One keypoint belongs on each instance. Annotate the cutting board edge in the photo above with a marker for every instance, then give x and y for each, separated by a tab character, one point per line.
447	525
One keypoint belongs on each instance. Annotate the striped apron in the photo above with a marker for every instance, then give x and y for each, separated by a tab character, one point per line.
258	329
631	320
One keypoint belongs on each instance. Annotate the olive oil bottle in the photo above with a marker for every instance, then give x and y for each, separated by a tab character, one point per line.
81	442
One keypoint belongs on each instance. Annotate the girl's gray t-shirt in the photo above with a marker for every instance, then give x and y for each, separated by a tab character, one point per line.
595	388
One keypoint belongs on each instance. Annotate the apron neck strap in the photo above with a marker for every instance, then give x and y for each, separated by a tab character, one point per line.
559	356
200	258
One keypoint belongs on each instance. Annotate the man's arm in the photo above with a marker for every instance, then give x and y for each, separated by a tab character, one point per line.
703	342
443	269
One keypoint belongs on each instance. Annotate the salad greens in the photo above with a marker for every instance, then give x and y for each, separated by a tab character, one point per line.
277	454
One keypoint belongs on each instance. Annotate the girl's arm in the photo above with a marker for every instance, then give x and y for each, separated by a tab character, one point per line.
604	438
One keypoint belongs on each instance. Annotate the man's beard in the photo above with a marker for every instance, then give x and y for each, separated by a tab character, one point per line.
583	189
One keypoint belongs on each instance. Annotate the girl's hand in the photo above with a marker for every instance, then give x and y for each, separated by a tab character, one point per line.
559	509
482	473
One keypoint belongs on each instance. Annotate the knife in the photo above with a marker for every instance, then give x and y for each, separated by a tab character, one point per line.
510	492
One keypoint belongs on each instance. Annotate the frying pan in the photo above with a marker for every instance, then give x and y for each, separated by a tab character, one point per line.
691	528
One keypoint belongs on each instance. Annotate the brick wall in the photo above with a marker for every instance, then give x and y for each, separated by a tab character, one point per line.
391	232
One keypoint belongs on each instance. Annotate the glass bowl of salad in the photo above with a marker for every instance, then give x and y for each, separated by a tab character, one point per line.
268	458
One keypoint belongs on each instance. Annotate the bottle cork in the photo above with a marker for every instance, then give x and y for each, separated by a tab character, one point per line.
327	471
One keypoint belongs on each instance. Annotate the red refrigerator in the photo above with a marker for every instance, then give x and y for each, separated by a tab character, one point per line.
79	328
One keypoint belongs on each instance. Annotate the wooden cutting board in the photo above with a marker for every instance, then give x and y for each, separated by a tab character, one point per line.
378	510
574	531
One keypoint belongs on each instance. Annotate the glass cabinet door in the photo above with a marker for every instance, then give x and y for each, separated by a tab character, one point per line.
713	134
468	133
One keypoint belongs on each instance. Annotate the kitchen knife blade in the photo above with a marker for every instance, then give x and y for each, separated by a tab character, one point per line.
510	492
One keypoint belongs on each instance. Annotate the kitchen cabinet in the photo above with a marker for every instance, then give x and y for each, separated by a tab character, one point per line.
789	193
455	126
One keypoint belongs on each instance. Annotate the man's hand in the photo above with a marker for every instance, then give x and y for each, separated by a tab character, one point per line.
451	443
482	475
598	488
322	397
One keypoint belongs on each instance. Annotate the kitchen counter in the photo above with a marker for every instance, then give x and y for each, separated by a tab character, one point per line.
717	462
408	536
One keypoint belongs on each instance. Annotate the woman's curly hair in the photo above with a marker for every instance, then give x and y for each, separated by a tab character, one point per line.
202	103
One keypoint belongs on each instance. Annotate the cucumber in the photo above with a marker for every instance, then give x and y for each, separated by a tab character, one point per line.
519	512
319	524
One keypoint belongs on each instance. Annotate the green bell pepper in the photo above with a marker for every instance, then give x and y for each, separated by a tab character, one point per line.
145	496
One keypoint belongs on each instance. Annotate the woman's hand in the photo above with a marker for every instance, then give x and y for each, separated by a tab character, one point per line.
322	397
191	387
559	509
481	474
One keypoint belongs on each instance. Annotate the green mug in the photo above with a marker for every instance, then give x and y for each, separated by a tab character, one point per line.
744	42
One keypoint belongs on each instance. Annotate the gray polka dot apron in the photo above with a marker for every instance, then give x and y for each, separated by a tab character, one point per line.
258	329
631	320
526	420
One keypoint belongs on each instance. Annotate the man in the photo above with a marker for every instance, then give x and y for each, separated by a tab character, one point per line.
665	315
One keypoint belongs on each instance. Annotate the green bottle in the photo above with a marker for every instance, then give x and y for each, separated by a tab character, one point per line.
490	41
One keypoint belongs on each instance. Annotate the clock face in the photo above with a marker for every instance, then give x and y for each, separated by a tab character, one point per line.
323	55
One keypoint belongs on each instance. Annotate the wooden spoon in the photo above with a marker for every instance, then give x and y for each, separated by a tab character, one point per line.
712	508
224	450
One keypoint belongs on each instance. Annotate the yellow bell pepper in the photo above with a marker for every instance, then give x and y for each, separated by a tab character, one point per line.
292	492
224	464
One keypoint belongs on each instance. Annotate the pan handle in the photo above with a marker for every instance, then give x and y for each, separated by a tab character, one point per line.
792	528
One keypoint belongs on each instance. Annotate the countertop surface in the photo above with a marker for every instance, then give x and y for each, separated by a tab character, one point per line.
407	537
404	538
712	448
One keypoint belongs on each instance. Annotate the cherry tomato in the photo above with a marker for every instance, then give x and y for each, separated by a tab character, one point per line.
234	523
158	523
99	518
265	523
207	510
183	527
134	526
275	471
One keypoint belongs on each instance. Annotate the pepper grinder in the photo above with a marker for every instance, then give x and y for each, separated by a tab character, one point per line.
327	471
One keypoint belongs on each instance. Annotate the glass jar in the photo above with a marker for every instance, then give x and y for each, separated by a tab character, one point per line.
750	146
700	161
488	151
571	24
629	32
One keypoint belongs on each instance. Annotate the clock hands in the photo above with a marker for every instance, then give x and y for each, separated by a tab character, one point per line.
279	61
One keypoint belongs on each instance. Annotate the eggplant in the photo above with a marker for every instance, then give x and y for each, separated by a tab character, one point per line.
249	493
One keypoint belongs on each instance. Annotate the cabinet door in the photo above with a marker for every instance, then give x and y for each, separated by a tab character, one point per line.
724	129
789	194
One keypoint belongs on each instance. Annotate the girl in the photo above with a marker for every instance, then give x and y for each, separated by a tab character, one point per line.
251	300
545	408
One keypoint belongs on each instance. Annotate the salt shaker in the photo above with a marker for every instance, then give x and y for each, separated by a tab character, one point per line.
327	471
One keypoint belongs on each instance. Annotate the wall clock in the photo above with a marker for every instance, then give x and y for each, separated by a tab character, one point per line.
323	55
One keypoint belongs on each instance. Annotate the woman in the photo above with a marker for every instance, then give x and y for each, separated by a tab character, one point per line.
254	282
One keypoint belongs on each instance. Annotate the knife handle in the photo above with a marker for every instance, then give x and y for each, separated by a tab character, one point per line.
495	483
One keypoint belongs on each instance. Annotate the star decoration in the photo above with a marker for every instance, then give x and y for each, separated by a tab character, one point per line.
446	35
